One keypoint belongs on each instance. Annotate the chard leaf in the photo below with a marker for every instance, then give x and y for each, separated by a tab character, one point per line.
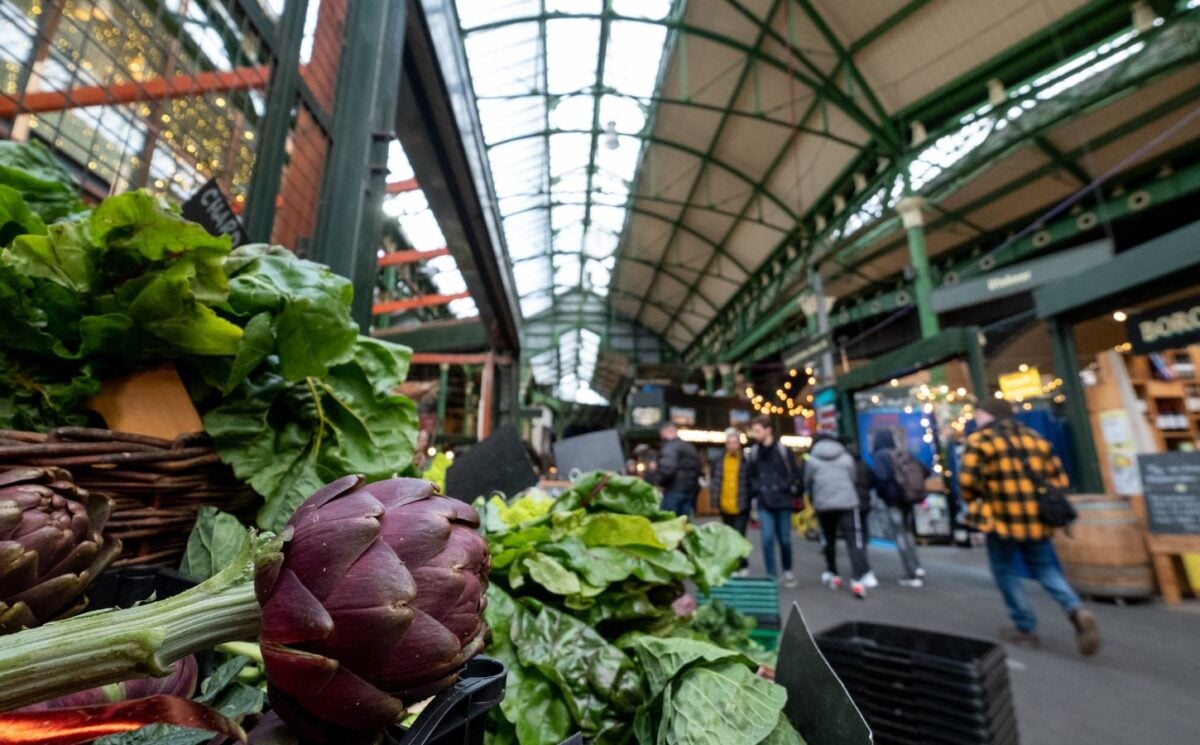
716	550
608	529
310	306
216	540
256	343
551	575
722	703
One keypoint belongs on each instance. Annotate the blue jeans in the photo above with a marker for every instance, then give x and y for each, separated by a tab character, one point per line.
1038	557
679	502
776	525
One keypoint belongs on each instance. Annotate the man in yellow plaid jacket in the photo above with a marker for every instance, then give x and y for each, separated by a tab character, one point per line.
996	477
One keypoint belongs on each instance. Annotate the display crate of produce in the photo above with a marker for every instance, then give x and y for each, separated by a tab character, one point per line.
757	597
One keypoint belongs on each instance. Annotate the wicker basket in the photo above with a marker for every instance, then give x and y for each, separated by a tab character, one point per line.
157	485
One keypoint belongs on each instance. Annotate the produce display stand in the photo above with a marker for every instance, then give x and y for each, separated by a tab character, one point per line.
757	597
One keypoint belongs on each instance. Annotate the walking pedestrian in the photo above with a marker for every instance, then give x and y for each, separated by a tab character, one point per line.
1004	468
864	483
900	483
773	478
830	481
728	488
678	471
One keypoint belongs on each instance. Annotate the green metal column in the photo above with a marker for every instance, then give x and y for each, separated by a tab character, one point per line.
914	225
1066	364
443	394
976	367
282	91
710	373
350	216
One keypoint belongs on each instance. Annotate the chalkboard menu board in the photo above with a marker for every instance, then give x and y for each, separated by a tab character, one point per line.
1172	485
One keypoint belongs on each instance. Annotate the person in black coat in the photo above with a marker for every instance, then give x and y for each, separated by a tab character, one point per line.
774	481
678	472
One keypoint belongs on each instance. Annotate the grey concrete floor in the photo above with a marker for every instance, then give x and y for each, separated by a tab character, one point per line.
1143	687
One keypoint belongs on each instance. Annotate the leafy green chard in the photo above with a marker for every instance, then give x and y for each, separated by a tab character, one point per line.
291	394
287	439
580	609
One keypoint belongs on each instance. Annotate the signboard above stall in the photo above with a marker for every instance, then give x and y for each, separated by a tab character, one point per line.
1019	278
1022	384
1166	327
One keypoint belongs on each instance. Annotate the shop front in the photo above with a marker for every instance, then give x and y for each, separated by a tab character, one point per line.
1126	341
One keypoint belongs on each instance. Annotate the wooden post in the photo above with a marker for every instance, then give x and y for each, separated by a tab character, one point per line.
487	394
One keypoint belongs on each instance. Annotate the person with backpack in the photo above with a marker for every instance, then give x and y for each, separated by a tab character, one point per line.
900	483
772	478
864	483
1016	491
829	482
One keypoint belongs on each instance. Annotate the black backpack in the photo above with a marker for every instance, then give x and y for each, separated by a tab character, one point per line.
909	476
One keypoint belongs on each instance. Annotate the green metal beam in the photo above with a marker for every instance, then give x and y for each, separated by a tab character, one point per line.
709	156
848	63
638	210
458	335
737	173
1170	54
1067	164
650	101
716	37
1147	117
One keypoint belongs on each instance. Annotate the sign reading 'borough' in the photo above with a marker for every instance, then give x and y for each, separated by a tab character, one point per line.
1165	327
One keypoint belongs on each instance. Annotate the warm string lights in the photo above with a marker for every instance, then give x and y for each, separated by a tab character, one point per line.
787	398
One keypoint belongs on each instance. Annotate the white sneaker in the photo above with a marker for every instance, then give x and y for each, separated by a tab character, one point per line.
742	573
831	580
869	581
920	572
789	579
918	582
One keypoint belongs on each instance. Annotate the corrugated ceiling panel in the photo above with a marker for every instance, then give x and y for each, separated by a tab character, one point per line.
946	39
1000	173
851	20
712	72
1027	202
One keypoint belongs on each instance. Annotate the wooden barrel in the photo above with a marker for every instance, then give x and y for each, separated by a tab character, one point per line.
1105	555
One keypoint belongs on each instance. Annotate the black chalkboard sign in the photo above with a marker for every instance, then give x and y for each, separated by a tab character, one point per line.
210	208
1171	482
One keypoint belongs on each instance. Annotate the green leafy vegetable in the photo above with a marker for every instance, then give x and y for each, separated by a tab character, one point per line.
287	439
30	169
580	609
216	540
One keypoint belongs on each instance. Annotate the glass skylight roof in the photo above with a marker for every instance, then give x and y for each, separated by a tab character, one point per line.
558	102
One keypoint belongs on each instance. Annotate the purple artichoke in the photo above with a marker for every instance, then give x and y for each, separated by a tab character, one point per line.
376	601
51	546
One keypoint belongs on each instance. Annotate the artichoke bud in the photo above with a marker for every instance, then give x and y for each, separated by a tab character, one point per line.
374	601
52	546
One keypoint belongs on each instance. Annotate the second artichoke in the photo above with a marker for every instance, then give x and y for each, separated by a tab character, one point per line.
51	546
392	564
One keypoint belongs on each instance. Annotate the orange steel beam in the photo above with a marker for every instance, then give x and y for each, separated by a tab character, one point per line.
411	257
458	358
422	301
176	86
399	187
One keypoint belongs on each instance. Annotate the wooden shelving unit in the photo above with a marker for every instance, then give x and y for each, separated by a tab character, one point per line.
1168	404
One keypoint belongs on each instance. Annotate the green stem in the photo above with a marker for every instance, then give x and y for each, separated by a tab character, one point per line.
109	646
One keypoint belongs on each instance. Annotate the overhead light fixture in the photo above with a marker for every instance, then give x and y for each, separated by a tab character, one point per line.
1120	316
611	141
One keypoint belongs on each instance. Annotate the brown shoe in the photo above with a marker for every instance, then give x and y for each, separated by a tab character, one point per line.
1019	638
1087	632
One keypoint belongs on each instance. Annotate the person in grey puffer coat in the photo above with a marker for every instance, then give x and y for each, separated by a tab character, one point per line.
830	478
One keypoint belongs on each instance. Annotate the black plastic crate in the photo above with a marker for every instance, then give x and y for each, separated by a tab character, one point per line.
952	657
921	686
124	587
457	715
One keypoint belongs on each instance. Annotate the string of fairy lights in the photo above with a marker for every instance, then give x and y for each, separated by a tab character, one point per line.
789	398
